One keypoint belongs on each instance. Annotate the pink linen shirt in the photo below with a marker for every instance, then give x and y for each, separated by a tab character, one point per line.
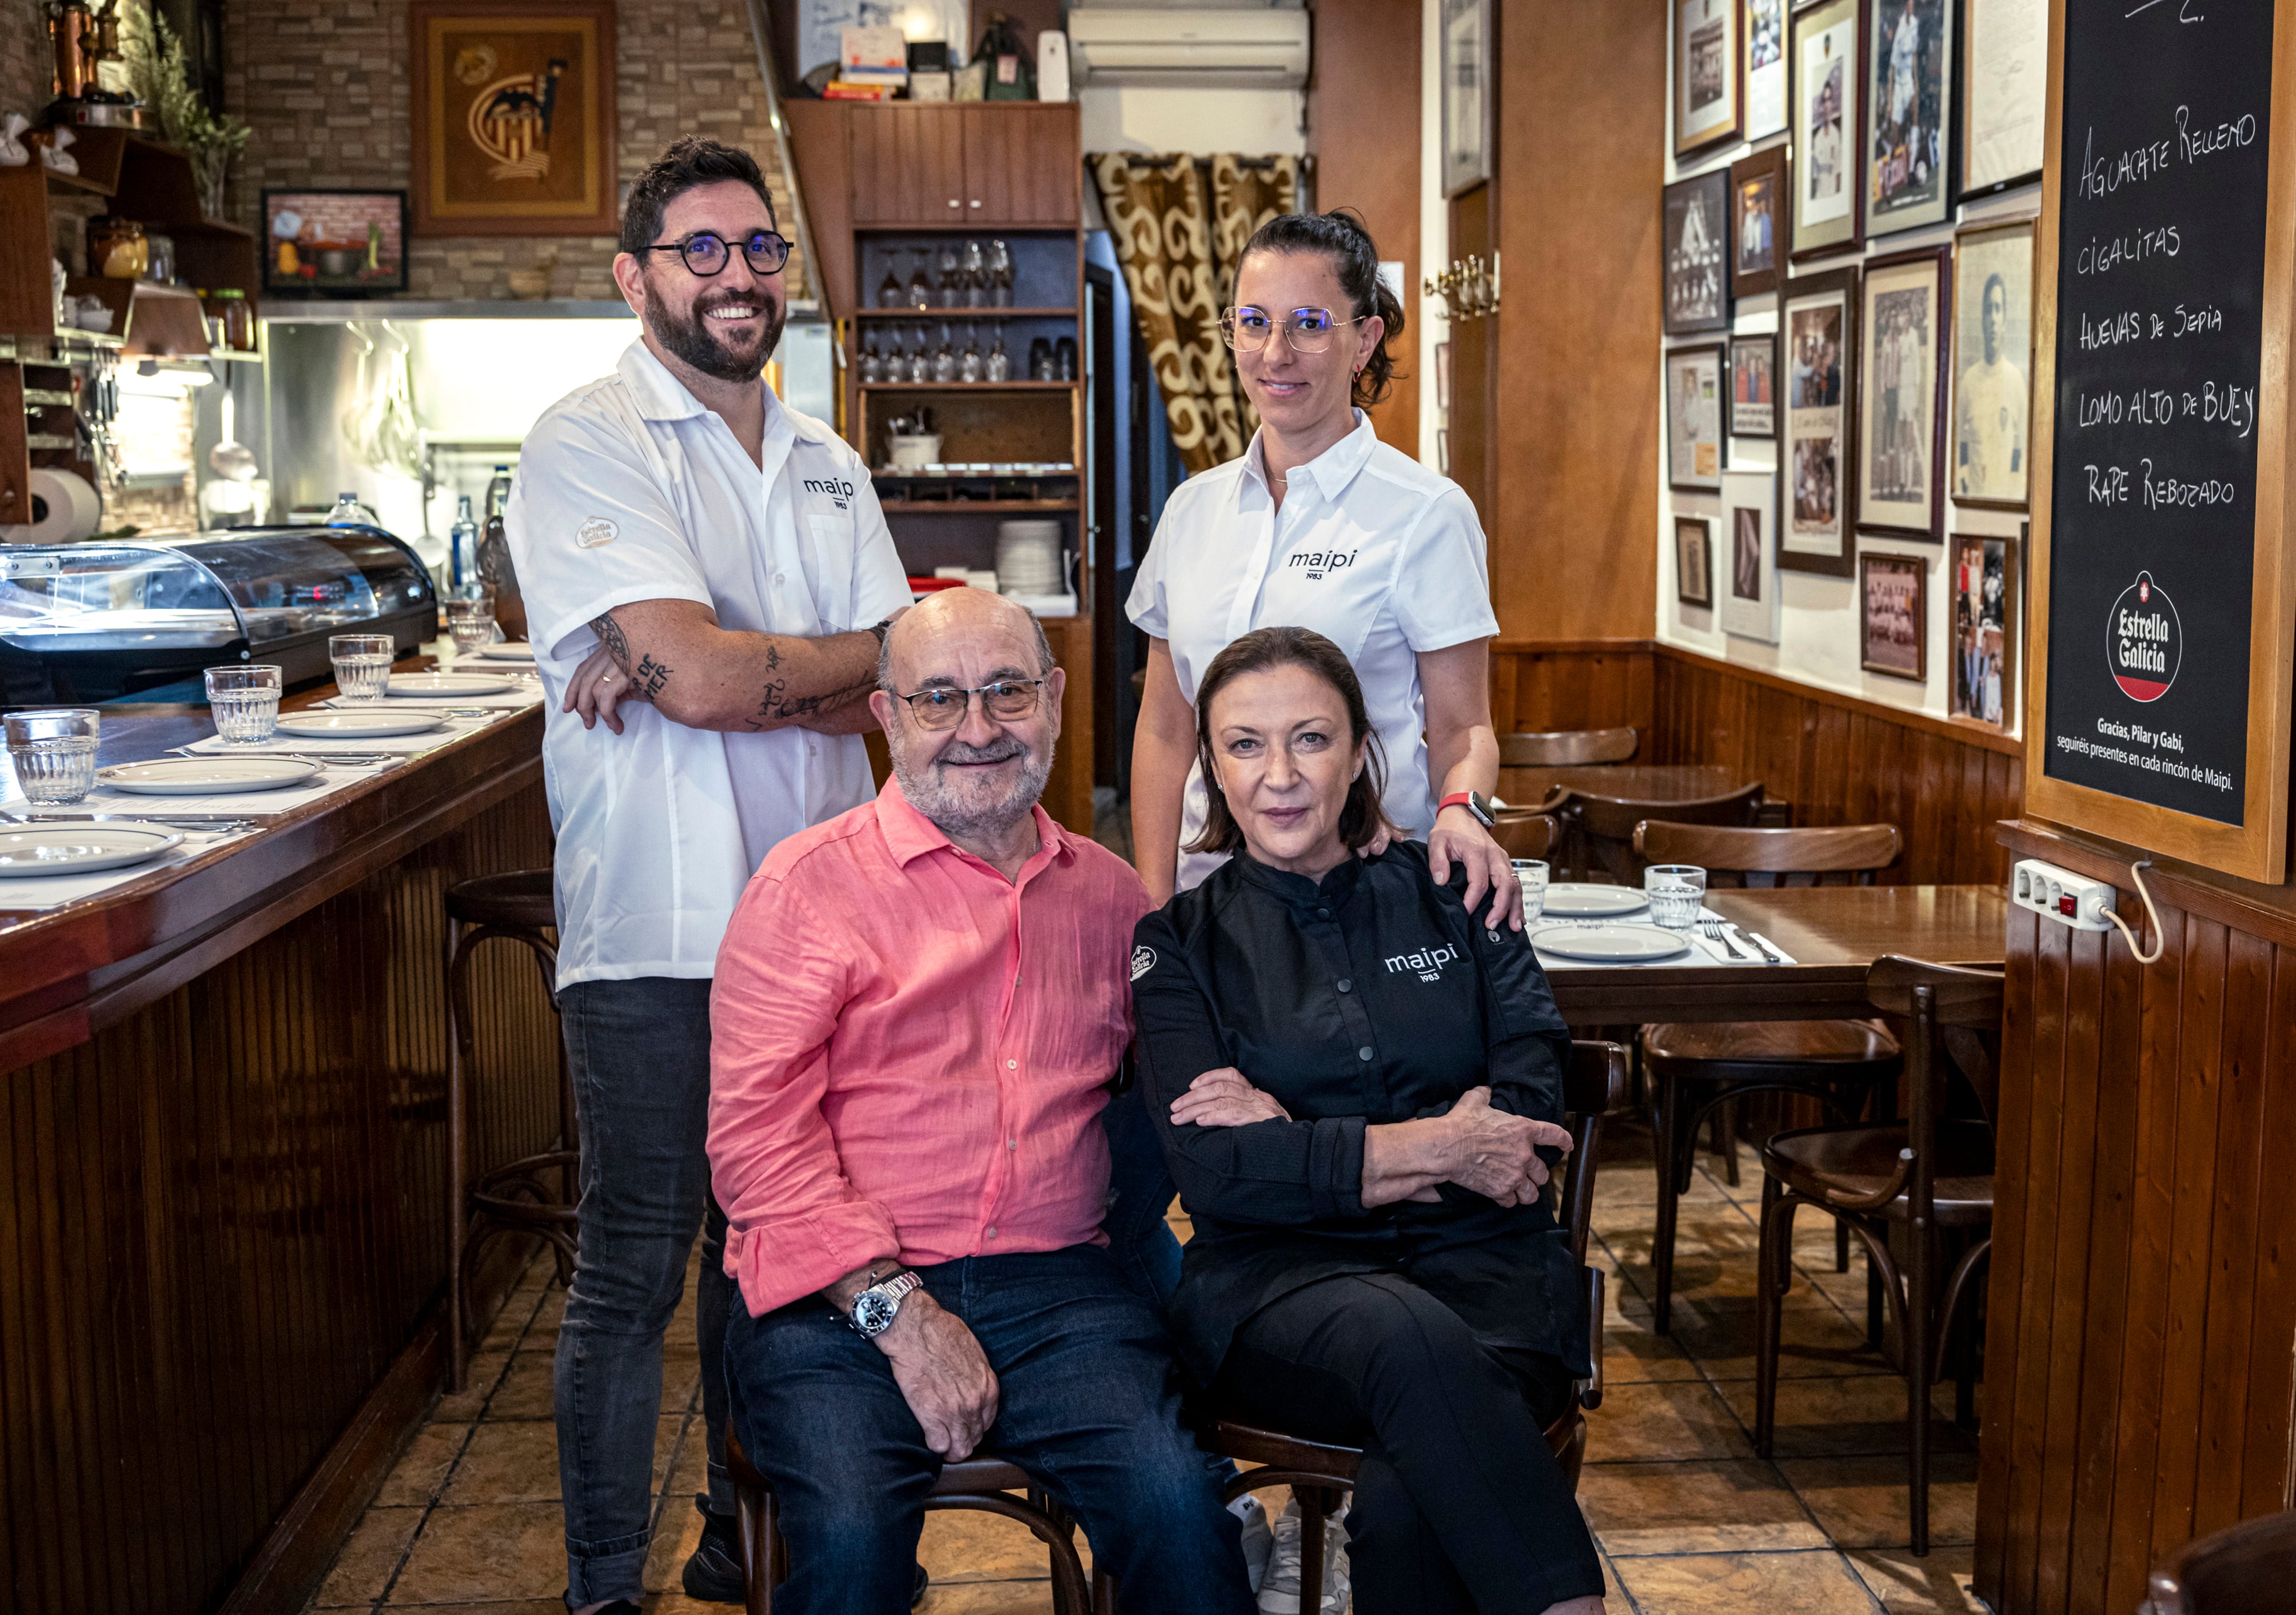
907	1051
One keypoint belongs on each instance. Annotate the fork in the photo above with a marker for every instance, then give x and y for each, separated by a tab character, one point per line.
1711	929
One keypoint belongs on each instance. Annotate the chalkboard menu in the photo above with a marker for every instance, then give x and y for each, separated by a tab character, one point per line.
2164	151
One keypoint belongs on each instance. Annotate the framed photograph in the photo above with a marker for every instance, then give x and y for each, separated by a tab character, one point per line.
1694	419
1827	69
1894	615
1818	453
1751	606
1694	254
1766	69
2005	95
1706	105
1983	687
513	118
1901	395
347	244
1908	77
1992	366
1694	561
1467	65
1757	205
1754	386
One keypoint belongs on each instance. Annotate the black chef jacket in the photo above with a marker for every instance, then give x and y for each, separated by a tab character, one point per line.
1371	996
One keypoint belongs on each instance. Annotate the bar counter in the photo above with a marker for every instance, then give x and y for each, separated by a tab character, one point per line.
222	1185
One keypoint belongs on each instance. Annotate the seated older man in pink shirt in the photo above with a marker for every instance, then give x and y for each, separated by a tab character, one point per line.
917	1006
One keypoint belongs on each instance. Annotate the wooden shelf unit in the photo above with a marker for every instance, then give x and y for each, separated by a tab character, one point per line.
954	315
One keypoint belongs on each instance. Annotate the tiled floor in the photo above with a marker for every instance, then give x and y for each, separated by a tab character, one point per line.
1689	1519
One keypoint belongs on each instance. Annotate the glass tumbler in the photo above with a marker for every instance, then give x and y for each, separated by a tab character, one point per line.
53	753
1530	874
361	665
1676	892
244	702
472	622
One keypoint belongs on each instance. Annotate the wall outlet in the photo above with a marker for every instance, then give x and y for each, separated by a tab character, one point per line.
2066	897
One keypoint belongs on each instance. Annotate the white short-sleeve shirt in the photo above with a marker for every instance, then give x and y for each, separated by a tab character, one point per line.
629	489
1371	549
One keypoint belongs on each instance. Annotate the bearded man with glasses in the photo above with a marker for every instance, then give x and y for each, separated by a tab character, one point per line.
708	580
918	1006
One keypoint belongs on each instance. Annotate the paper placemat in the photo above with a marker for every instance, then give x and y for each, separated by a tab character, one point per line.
527	694
400	745
1703	951
53	891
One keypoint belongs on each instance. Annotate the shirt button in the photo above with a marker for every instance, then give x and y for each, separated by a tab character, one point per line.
1322	914
1011	1065
1363	1053
992	1233
780	579
1345	985
1011	1143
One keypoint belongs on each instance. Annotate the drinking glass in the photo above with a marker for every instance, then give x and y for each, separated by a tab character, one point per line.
472	622
53	753
968	364
888	289
1676	891
976	275
361	665
951	287
1530	874
998	366
944	359
244	702
1000	275
920	282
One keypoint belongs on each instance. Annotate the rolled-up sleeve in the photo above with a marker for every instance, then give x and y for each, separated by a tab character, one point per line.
1273	1174
795	1223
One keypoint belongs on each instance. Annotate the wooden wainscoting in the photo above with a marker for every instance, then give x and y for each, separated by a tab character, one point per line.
1838	759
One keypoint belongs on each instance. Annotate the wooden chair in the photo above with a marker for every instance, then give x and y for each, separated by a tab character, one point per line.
1924	1175
2243	1569
1529	835
1605	825
1567	747
1701	1069
1318	1471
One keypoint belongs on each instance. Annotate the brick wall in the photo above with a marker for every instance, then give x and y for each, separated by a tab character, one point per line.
325	84
26	68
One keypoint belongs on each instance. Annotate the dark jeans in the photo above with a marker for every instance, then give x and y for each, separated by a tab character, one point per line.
1139	1191
639	1054
1460	1508
1087	1405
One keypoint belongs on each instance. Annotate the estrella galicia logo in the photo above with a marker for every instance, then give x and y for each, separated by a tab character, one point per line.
2147	640
596	531
1318	563
1144	960
1427	963
839	490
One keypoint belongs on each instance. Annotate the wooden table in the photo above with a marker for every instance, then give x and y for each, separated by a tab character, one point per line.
1636	781
1833	933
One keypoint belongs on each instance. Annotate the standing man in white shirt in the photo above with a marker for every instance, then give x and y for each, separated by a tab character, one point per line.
708	578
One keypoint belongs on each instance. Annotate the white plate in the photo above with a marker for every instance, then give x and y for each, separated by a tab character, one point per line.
1586	900
508	651
357	724
208	775
76	848
1610	944
434	684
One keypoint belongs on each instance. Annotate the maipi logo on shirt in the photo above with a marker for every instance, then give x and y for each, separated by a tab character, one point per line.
596	531
1428	963
1318	563
838	489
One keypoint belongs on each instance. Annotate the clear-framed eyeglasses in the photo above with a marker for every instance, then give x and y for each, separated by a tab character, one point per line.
707	253
1248	330
944	706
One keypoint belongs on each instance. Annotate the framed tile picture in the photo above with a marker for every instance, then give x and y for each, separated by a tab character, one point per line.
1695	254
1757	210
1827	76
1754	386
1751	606
1694	419
343	243
513	118
1893	599
1818	446
1707	109
1694	561
1901	395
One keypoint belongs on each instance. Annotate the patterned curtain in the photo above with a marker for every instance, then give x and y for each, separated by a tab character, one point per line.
1179	266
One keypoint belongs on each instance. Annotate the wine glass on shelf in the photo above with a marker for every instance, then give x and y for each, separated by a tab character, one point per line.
920	366
872	363
890	294
1000	275
998	366
976	275
920	282
951	278
968	364
944	359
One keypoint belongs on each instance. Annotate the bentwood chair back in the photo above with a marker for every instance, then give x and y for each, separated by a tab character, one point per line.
1834	855
1608	823
1567	747
1529	835
2243	1569
1914	1178
1593	1083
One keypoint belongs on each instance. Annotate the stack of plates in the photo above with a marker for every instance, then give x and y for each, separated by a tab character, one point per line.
1029	557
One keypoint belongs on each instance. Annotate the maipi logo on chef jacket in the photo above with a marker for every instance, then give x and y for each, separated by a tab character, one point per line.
2145	641
1427	963
1318	563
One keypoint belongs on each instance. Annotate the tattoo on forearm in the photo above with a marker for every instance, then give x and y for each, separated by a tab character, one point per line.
647	681
779	704
610	634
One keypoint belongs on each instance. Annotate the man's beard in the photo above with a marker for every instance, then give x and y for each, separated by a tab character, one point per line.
959	812
692	339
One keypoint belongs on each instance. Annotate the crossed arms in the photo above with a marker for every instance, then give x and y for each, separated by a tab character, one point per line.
672	654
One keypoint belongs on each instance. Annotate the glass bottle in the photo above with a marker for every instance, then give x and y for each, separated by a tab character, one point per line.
889	294
920	282
998	366
463	555
968	364
944	359
976	275
1000	275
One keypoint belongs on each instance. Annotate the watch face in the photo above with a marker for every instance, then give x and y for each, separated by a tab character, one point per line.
873	1313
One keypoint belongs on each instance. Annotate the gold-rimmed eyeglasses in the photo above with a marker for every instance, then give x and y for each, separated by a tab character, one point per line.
1248	330
944	706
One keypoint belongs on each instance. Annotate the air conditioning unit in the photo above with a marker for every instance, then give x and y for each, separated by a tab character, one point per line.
1262	47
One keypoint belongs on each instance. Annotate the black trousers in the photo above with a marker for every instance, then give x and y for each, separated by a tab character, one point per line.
1459	1506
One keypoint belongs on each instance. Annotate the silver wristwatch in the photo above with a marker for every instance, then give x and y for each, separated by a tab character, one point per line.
875	1308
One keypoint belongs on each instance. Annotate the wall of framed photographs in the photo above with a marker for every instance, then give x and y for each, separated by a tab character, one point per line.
1846	314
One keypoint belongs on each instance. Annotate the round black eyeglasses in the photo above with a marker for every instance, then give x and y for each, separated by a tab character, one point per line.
706	253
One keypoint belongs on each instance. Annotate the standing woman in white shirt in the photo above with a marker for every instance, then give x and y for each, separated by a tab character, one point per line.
1320	525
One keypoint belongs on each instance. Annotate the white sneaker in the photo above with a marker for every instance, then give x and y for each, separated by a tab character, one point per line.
1279	1589
1259	1537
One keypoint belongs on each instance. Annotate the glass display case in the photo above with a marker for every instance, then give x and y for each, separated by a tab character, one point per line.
97	621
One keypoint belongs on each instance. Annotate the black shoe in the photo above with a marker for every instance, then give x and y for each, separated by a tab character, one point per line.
621	1606
714	1573
923	1586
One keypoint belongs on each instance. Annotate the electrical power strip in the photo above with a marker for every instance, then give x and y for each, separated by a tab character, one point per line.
2066	897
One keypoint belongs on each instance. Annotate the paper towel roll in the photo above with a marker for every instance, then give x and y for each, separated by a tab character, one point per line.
65	510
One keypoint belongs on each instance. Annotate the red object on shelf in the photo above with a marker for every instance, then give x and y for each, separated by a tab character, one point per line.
927	585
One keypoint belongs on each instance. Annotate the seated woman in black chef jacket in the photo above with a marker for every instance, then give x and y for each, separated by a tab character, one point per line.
1359	1089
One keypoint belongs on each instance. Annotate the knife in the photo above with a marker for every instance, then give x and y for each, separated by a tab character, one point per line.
1745	934
235	819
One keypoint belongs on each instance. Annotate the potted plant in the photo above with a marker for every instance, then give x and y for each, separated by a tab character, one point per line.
152	56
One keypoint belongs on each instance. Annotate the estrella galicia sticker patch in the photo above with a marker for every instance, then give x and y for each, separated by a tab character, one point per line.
1144	960
596	531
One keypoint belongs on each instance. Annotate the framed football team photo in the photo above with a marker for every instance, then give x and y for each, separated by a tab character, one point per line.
1694	419
1766	69
1694	254
1827	75
1983	686
1992	366
1751	606
2005	95
1818	325
1758	200
1754	386
1706	108
1901	395
1694	561
1908	77
1893	596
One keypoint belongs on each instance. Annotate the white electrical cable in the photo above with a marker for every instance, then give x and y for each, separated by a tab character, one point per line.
2160	937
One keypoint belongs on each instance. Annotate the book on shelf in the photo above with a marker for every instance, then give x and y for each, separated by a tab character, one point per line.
846	89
